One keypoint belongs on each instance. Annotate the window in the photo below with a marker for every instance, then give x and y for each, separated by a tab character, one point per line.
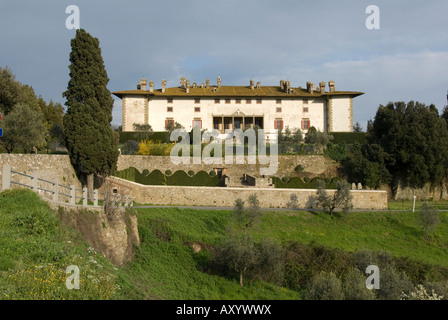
279	109
197	100
169	123
169	109
305	109
217	100
306	124
227	101
197	109
305	101
278	124
197	123
169	100
248	101
237	101
278	101
258	101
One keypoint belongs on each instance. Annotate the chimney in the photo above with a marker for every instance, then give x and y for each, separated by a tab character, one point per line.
207	83
258	85
164	86
182	83
151	86
322	87
287	86
139	86
188	86
143	83
219	82
282	84
331	85
310	87
252	84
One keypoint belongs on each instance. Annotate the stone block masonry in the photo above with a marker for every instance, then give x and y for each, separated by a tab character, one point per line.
53	167
225	197
47	166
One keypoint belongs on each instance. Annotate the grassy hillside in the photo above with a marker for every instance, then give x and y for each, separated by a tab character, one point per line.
35	251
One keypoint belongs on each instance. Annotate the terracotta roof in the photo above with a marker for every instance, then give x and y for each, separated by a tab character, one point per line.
235	91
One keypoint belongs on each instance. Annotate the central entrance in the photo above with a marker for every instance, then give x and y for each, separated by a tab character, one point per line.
233	122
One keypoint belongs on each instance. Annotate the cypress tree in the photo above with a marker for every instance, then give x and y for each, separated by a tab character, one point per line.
89	136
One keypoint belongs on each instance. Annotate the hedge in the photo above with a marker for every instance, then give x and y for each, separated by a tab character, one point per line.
298	183
162	136
178	178
349	137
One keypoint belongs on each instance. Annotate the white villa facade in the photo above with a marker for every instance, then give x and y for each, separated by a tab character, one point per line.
238	107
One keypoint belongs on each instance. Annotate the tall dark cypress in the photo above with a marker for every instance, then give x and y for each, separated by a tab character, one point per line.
89	136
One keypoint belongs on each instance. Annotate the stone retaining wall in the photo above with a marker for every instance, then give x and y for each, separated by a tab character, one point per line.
48	166
225	197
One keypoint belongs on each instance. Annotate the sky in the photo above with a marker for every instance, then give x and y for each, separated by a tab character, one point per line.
264	40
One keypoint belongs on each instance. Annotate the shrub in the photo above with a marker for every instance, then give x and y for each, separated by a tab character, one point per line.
212	173
270	262
149	147
145	172
299	168
168	172
337	152
420	293
238	253
428	218
130	147
393	284
286	179
191	173
163	136
293	201
325	286
342	198
307	179
354	286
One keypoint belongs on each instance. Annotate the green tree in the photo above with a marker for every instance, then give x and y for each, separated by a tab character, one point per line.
142	131
238	252
367	164
325	286
428	217
414	138
357	127
246	217
319	139
23	128
89	136
354	286
10	90
341	198
289	140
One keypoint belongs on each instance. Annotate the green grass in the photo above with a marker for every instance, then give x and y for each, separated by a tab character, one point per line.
35	250
398	233
408	204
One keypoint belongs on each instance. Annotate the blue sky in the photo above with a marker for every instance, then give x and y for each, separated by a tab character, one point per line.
406	59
